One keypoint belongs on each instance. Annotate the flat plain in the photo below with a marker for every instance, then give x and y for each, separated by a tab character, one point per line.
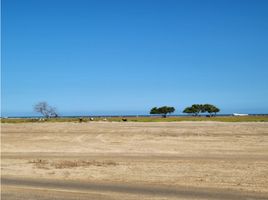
134	160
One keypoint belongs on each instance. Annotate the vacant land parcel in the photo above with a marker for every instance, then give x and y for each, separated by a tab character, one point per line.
135	160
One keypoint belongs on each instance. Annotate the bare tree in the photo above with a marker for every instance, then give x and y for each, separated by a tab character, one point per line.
46	110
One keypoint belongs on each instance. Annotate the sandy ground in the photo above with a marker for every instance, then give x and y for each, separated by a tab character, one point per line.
211	157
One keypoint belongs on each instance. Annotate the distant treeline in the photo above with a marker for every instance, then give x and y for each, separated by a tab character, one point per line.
194	110
51	112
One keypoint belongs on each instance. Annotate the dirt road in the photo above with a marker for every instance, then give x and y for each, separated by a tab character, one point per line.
103	160
153	191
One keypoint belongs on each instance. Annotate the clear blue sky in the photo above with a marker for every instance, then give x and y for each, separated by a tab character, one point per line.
124	57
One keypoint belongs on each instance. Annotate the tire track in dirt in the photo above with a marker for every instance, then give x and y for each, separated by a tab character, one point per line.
182	191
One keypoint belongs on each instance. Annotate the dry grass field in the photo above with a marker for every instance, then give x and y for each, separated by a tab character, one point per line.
117	160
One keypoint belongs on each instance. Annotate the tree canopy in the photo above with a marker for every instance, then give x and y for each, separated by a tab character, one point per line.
164	110
196	109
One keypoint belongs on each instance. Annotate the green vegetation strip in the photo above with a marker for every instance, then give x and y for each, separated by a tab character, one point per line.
144	119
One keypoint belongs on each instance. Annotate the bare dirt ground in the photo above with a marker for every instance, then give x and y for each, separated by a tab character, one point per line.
116	160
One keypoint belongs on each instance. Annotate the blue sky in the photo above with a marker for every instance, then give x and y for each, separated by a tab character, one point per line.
124	57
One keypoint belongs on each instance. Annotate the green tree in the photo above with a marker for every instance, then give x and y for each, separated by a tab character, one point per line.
164	110
154	110
188	110
208	108
211	109
197	108
215	110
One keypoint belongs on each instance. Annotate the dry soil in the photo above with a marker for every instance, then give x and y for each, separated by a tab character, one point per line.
128	160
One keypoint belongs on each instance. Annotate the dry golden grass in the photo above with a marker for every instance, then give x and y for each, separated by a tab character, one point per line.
195	154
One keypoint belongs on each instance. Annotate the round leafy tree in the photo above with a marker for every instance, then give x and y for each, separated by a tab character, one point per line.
164	110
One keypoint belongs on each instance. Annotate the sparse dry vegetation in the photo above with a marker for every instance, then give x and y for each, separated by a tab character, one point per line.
62	164
168	154
257	118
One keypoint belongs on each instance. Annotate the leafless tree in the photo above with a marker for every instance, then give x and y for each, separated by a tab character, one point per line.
46	110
